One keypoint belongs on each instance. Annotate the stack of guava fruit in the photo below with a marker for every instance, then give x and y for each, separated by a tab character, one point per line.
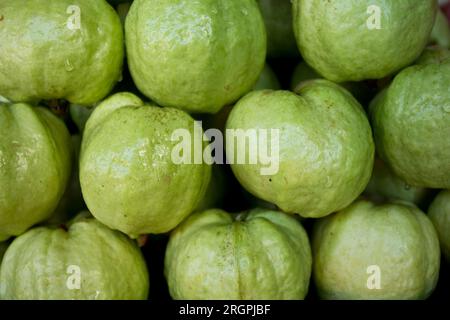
224	149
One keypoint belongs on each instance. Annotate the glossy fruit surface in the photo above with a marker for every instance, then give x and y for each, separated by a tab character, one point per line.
411	121
52	50
325	147
195	55
128	175
359	40
35	166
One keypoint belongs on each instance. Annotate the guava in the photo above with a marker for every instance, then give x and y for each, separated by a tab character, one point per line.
385	185
439	213
67	49
440	34
368	251
258	254
325	148
367	39
411	121
277	16
131	177
195	55
72	201
83	261
34	166
267	80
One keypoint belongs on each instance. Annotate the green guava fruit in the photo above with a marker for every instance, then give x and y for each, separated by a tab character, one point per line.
368	251
366	39
129	177
87	261
72	201
66	49
385	185
258	254
34	166
440	34
325	147
411	127
195	55
267	80
439	213
80	115
277	16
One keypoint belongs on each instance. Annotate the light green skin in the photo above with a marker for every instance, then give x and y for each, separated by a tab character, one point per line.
440	34
41	58
72	201
36	265
385	185
439	213
334	38
195	55
411	120
267	80
35	158
326	148
262	255
127	175
396	237
277	16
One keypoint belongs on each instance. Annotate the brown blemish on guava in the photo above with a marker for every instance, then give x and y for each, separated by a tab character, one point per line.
2	17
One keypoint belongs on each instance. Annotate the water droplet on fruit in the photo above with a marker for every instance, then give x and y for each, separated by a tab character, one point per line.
244	12
407	186
69	66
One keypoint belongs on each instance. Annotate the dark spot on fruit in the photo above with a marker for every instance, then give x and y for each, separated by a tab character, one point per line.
64	227
270	180
1	18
